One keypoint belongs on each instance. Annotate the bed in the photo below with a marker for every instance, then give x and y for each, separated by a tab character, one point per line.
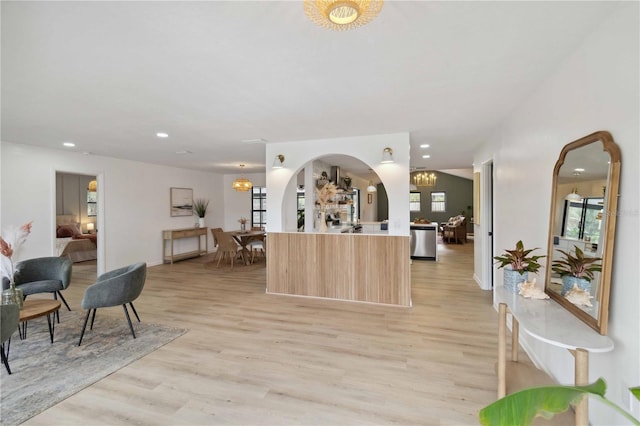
71	242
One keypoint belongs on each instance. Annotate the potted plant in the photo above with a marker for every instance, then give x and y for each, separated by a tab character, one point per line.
517	264
200	208
576	270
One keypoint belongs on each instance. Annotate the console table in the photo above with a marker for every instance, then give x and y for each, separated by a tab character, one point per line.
170	235
549	322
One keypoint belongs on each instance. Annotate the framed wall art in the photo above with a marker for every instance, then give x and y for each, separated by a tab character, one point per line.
181	201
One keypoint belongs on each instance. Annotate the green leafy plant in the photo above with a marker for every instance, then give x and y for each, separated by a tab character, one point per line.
520	259
200	206
577	266
520	408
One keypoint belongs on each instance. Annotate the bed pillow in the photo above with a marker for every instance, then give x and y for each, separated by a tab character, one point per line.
69	230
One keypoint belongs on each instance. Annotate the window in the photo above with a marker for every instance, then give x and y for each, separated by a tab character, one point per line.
414	201
438	202
92	203
258	206
582	219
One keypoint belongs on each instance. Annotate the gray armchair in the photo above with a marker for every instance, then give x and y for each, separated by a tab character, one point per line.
9	315
42	275
117	287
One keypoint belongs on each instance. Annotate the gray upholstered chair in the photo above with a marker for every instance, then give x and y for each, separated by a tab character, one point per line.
43	275
117	287
9	315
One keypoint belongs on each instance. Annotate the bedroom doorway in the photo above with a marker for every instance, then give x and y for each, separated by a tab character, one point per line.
77	210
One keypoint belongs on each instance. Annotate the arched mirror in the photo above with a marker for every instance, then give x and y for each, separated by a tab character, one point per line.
582	227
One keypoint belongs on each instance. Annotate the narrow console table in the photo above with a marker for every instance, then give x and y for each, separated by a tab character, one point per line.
547	321
170	235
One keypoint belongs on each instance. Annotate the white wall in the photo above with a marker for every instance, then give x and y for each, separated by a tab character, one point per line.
596	88
368	149
133	196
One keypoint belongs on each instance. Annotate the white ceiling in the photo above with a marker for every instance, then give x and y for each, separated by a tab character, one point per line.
109	75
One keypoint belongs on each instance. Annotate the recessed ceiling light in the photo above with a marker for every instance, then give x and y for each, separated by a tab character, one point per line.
426	156
183	152
424	145
579	169
69	144
162	135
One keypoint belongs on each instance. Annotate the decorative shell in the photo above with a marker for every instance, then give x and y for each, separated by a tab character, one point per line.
578	296
529	290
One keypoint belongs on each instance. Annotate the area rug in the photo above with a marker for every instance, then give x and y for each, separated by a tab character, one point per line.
45	374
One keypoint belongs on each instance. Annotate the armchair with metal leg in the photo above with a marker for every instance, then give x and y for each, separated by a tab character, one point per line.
118	287
43	275
9	317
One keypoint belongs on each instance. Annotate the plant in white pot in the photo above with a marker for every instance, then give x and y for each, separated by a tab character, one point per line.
200	206
576	270
517	264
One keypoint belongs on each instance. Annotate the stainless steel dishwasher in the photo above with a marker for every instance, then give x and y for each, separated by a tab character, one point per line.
424	241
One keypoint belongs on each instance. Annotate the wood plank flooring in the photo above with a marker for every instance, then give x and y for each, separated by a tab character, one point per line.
256	359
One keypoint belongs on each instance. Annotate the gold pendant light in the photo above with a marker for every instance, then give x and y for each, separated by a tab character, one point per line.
241	184
341	15
93	186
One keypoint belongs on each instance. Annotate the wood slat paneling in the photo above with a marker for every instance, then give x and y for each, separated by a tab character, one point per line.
364	268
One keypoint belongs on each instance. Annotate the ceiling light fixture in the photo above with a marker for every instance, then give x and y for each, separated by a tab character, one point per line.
424	145
162	135
341	15
93	186
426	156
278	161
371	188
69	144
241	184
425	179
573	195
387	156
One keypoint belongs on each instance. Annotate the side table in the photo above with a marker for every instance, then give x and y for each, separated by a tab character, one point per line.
35	309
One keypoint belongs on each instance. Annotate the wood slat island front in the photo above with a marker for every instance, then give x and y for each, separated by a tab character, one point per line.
356	267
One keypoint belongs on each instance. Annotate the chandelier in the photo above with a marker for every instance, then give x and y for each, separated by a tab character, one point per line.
93	186
241	184
341	15
425	179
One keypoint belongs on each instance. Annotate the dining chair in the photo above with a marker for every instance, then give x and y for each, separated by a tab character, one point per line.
227	246
257	246
215	232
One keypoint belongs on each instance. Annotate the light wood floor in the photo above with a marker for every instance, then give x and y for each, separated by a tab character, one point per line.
256	359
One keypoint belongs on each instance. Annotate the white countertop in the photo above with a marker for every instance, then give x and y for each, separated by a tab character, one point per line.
547	321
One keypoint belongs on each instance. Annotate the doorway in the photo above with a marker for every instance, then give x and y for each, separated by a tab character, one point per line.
486	225
77	211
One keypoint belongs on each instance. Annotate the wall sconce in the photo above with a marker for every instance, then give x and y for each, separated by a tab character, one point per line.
278	162
371	188
90	227
387	156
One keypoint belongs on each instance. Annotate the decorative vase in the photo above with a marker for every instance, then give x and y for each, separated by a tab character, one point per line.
568	281
323	221
243	227
513	278
201	222
13	295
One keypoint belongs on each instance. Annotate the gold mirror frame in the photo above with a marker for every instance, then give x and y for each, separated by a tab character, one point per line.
610	208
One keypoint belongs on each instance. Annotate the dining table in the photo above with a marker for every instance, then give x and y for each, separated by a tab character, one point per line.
244	238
